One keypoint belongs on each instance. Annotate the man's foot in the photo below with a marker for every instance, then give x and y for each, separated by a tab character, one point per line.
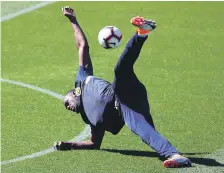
177	161
143	26
63	145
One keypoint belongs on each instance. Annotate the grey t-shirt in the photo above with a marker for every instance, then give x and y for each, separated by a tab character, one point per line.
98	100
97	96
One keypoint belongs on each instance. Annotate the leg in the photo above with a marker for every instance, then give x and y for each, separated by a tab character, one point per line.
126	84
128	88
138	125
124	66
125	81
133	47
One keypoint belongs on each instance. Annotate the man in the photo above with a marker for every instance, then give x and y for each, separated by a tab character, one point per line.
107	107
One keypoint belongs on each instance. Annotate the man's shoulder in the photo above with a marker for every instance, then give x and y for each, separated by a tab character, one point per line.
83	73
86	81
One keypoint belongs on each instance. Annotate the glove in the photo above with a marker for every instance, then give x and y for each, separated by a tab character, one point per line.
68	12
63	145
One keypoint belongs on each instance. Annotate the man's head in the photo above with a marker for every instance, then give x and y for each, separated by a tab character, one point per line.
72	100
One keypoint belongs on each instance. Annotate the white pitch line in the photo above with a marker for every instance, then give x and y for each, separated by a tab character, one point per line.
83	135
51	93
26	10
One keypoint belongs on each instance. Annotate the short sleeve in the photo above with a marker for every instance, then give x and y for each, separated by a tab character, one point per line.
97	135
83	73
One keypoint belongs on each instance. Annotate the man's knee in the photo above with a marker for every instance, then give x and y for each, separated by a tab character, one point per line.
118	71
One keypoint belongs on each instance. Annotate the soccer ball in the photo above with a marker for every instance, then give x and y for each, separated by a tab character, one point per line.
110	37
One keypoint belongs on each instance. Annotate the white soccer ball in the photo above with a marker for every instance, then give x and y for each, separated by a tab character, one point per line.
110	37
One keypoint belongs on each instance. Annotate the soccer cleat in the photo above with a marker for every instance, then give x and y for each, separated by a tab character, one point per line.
143	26
177	161
63	145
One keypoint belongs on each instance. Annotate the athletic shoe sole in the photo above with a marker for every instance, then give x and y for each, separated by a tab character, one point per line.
175	164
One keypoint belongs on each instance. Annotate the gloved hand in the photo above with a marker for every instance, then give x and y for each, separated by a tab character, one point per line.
63	145
68	12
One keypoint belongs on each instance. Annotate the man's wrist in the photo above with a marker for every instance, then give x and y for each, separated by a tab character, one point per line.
72	19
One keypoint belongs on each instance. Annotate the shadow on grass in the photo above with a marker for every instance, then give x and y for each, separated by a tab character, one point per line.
206	161
197	160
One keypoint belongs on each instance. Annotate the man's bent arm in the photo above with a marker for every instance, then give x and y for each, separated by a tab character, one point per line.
95	141
84	145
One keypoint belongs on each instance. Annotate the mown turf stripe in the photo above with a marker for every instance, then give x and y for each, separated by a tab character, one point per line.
83	135
26	10
208	164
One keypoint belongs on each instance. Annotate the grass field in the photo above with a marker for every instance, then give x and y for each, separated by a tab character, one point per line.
181	65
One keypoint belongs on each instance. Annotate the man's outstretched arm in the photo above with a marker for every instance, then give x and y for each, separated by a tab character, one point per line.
80	38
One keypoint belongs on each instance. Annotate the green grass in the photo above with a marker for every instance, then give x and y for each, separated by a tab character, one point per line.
181	65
